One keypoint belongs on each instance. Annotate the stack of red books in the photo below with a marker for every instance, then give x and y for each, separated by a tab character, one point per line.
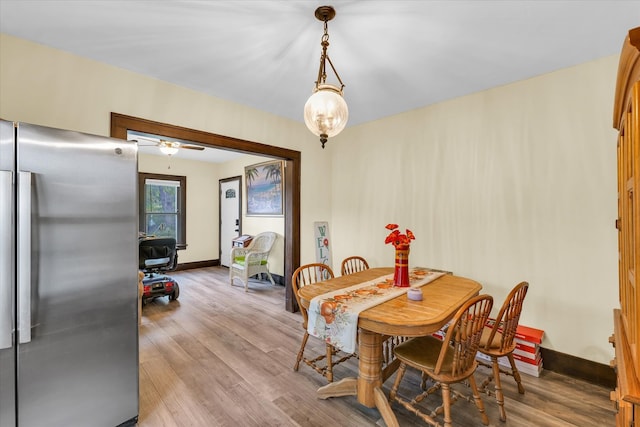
527	352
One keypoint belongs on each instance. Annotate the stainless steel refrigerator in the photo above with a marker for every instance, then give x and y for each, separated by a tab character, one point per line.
68	279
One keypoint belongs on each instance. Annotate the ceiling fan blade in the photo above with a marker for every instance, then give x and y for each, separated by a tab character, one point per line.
192	147
167	143
144	141
140	137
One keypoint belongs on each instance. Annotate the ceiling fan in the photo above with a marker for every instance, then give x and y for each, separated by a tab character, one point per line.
170	147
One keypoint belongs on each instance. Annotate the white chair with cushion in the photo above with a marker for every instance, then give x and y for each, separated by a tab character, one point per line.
252	260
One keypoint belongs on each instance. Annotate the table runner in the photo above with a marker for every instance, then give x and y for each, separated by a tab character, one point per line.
333	317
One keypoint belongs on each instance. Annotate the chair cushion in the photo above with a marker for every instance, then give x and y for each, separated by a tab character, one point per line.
422	353
485	338
240	260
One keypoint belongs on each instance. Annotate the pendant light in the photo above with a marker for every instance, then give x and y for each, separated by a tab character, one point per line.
326	112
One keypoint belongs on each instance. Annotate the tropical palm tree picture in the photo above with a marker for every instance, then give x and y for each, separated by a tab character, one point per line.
264	185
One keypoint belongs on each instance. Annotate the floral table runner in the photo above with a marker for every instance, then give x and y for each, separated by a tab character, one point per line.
333	316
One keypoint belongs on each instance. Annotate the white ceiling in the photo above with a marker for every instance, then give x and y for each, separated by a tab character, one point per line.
393	56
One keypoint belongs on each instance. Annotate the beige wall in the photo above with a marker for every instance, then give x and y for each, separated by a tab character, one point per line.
53	88
515	183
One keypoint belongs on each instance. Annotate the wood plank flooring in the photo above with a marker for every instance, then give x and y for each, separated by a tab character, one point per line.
221	357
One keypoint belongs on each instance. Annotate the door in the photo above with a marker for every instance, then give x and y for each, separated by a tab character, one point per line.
230	220
77	258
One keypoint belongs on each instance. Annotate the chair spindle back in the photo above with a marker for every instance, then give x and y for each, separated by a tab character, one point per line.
463	335
306	275
353	264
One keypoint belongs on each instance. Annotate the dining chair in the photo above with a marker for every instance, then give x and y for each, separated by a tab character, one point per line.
302	276
353	264
452	360
252	260
499	341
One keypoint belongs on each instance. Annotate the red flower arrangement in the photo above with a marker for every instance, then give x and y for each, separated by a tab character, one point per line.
398	239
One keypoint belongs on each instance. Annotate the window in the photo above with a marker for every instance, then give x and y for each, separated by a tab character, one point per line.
163	201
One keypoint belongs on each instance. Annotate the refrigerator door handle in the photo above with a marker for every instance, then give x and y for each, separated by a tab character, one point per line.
24	257
6	303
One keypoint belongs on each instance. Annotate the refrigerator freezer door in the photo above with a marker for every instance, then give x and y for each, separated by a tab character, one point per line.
7	277
6	260
81	366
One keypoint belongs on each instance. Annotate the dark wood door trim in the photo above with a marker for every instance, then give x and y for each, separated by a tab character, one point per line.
121	123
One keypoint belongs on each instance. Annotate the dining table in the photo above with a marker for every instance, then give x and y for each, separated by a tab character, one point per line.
382	325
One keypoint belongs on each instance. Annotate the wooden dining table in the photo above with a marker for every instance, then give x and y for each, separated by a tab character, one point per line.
398	317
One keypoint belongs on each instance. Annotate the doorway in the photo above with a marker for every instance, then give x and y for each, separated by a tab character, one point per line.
230	197
120	124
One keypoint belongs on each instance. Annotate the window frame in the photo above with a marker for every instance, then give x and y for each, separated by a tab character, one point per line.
181	238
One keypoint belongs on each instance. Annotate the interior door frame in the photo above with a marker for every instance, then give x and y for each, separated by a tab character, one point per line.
220	182
120	123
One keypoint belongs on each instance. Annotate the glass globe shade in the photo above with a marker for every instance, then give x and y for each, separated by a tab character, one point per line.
168	150
326	112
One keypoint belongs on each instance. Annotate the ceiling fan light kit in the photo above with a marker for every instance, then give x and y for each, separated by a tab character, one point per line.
326	112
168	148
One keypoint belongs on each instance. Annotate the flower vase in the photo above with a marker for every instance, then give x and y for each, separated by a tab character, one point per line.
401	272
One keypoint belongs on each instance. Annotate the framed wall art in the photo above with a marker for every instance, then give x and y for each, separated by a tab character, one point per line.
264	188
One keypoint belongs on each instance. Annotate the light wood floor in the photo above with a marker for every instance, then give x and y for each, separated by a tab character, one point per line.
221	357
